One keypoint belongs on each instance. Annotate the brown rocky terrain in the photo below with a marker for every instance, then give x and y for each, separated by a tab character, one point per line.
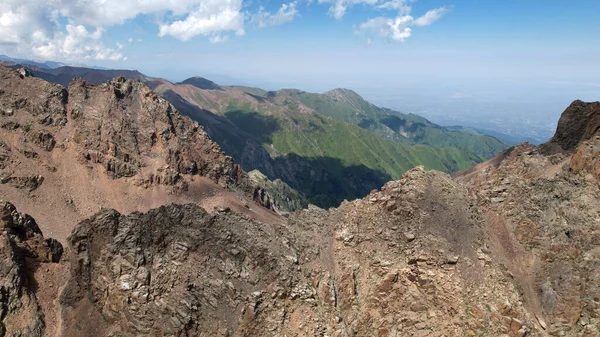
23	250
506	248
65	155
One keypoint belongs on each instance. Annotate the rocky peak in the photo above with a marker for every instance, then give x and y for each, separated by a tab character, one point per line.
579	122
137	125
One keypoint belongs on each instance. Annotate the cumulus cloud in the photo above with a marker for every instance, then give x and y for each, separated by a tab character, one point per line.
395	28
286	13
111	12
208	18
77	44
399	28
20	20
31	27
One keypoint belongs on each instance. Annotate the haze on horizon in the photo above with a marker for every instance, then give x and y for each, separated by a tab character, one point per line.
511	66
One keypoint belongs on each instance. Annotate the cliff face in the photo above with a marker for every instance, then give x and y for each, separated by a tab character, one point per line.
127	128
579	122
23	250
172	271
417	258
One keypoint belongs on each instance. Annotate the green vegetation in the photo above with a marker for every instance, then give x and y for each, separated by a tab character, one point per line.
249	90
332	155
346	105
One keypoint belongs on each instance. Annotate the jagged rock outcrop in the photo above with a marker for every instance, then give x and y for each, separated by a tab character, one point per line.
176	270
43	100
121	125
22	249
542	208
579	122
130	124
27	183
276	194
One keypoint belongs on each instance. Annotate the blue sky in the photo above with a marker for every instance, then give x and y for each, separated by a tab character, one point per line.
417	55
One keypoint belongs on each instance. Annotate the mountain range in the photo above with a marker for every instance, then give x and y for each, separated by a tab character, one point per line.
121	217
328	147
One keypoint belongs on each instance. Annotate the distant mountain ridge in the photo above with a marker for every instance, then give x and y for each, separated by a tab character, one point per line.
503	137
65	74
201	83
44	65
350	107
314	146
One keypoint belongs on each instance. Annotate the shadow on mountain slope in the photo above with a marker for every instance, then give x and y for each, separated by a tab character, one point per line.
259	126
396	123
324	181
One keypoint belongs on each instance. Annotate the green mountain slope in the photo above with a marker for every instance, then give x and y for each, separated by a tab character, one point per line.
346	105
326	159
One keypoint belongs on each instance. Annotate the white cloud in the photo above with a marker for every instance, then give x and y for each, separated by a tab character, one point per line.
32	27
402	6
68	30
20	20
286	13
395	28
112	12
338	7
431	16
209	17
399	28
76	44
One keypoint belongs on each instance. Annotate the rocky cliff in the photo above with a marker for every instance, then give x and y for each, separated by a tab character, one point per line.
130	129
579	122
23	250
506	248
116	145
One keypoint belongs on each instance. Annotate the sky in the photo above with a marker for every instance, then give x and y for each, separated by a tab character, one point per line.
493	64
